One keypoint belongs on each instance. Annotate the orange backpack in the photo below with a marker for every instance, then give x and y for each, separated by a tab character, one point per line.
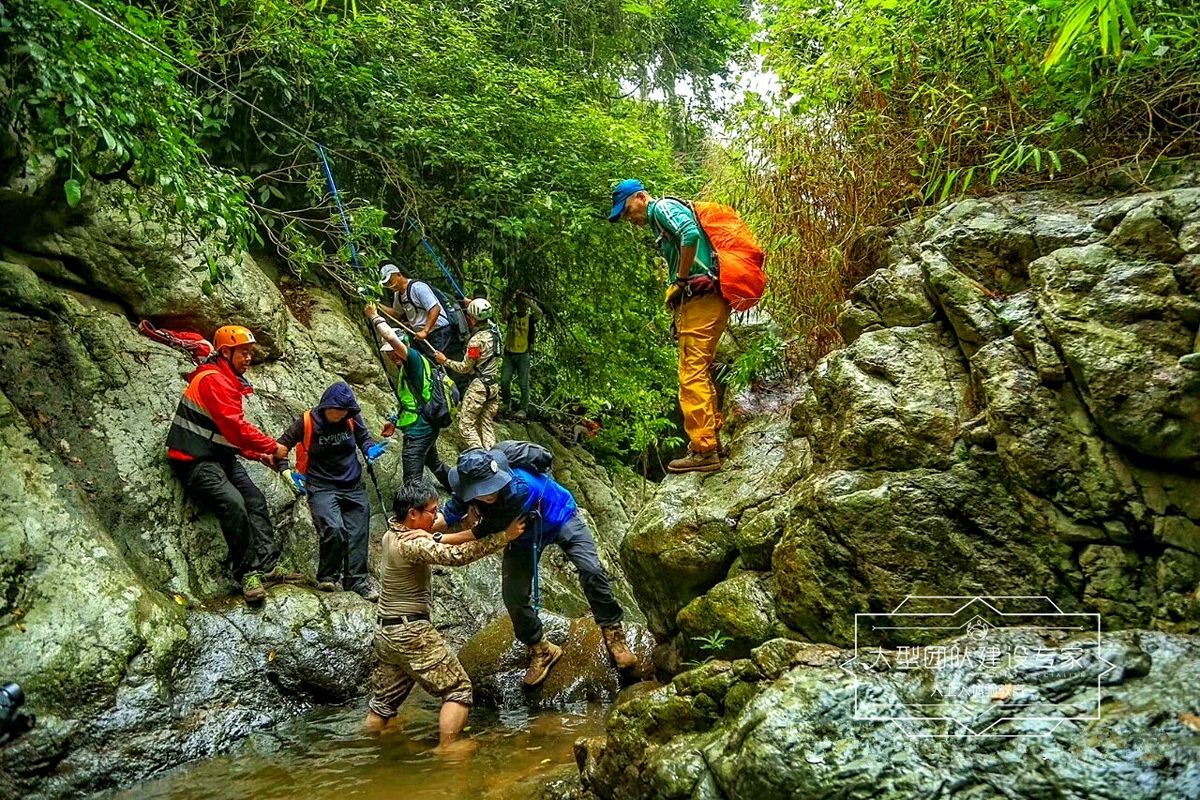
304	446
739	256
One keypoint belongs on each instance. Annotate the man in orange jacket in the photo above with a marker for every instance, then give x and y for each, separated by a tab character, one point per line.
207	435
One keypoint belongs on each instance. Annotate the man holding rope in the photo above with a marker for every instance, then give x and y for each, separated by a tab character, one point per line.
420	307
423	407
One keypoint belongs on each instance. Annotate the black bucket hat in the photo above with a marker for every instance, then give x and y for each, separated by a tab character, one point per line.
479	472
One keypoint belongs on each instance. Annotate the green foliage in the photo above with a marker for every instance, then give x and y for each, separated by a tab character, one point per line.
96	102
1110	15
711	645
760	359
496	127
887	106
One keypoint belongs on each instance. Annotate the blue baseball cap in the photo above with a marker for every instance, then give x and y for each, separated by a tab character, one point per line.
625	190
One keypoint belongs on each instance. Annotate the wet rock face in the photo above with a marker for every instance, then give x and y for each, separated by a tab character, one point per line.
1014	412
115	607
496	662
782	725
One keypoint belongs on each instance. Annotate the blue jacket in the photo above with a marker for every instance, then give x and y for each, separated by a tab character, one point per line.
331	458
543	501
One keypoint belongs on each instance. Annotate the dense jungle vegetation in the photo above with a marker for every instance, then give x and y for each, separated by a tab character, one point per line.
497	127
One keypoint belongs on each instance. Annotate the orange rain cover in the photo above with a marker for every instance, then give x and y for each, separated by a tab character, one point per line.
739	256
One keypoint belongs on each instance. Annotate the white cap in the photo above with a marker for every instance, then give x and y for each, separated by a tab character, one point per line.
386	271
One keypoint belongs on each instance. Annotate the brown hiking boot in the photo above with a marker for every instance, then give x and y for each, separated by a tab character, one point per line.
541	658
252	587
696	462
614	640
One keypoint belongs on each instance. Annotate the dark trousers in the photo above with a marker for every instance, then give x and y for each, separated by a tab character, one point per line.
518	363
420	451
439	339
342	518
517	578
225	488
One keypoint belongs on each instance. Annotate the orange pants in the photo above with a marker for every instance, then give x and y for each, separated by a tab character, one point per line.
699	322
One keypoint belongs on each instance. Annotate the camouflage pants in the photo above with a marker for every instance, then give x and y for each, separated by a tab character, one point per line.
410	654
477	415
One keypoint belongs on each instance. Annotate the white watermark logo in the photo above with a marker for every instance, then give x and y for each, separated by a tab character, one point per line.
982	665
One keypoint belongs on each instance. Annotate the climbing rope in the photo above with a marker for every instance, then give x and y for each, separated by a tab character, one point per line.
337	199
437	259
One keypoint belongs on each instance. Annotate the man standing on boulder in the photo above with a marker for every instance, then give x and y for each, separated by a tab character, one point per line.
519	335
207	435
477	414
410	649
328	439
483	483
701	313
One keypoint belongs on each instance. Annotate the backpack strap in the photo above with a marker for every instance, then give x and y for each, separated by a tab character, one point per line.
305	445
494	330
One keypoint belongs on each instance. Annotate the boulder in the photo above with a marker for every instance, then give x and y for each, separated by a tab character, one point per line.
890	298
803	734
684	540
893	399
496	662
862	542
1121	326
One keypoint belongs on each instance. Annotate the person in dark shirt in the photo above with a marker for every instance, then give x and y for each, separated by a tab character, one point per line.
326	440
487	496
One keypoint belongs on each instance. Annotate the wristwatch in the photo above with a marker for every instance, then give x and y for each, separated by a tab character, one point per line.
437	537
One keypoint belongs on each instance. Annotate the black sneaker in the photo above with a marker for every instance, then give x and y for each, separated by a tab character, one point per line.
367	590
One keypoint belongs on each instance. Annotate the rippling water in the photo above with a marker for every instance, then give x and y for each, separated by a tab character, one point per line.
327	755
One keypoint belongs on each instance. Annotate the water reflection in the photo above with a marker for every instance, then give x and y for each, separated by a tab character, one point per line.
327	755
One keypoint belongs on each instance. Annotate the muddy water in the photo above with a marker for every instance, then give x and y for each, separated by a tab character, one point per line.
326	755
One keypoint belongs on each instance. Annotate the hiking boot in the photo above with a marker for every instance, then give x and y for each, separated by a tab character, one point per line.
542	657
282	571
367	590
614	640
328	586
696	462
252	587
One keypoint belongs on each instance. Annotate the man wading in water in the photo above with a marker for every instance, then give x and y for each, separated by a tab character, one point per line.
409	648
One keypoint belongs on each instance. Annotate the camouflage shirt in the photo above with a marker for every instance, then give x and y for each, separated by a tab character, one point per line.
407	568
483	355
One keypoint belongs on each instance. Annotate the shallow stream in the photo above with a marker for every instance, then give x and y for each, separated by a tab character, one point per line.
327	755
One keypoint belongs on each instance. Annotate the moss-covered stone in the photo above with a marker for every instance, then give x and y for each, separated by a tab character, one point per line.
741	609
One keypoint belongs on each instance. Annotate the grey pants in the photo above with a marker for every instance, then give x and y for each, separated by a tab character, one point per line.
515	363
517	578
343	521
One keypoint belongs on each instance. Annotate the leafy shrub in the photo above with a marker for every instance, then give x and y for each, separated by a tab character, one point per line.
888	106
